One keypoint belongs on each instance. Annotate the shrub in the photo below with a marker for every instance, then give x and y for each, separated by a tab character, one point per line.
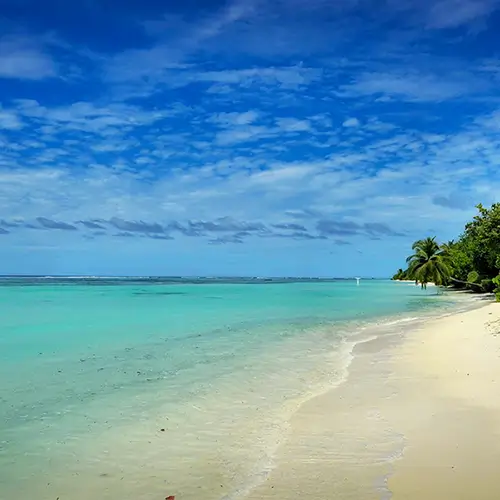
487	286
496	281
473	277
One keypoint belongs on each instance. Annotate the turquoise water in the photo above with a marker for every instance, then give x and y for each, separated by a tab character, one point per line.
136	390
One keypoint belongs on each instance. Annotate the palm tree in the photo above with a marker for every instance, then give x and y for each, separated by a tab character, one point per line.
429	263
400	275
447	247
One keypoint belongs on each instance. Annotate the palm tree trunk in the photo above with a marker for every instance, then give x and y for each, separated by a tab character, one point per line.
465	282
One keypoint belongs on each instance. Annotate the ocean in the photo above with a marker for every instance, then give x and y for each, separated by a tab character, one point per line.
137	389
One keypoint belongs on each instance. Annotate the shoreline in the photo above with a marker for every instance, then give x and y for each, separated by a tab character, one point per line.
153	452
369	334
371	436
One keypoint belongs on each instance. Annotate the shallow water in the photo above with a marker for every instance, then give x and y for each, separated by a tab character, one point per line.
136	390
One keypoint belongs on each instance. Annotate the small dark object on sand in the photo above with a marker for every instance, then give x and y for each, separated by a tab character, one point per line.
162	430
171	497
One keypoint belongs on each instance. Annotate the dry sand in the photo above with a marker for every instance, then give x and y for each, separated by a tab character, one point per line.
418	418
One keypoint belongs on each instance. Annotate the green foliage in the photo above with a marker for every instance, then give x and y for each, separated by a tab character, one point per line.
400	275
473	277
472	261
487	285
481	240
496	281
428	264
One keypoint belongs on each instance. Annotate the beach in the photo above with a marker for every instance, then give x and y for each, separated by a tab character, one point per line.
417	418
138	391
452	387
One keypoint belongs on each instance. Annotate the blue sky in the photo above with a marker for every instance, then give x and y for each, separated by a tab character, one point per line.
245	137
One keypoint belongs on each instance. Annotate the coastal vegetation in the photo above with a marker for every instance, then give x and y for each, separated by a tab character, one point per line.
472	261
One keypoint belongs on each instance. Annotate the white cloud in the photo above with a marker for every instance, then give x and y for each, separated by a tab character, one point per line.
286	76
142	73
293	125
414	86
9	120
351	123
22	58
260	188
234	118
178	39
253	126
90	117
454	13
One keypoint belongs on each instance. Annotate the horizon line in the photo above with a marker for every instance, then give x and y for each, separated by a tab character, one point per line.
101	276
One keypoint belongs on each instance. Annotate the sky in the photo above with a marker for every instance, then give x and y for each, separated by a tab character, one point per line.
247	137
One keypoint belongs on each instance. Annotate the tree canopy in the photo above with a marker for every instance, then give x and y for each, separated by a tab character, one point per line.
429	263
472	261
400	275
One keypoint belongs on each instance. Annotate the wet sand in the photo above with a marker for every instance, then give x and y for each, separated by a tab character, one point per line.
417	418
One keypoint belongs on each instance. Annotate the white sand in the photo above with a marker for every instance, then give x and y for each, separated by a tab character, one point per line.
453	370
418	418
